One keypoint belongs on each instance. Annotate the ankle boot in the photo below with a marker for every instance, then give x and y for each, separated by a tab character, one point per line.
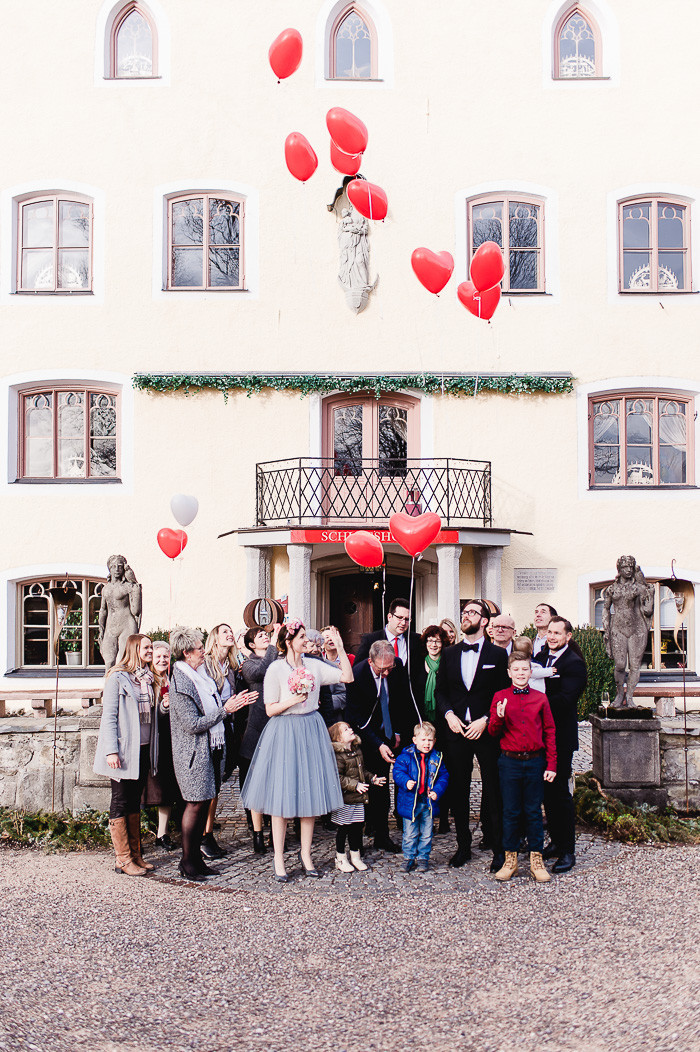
259	842
357	861
537	869
133	824
509	867
124	863
341	863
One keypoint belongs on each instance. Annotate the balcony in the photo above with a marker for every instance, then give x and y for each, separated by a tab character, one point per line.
309	491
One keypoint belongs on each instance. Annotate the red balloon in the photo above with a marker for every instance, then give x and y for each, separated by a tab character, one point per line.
346	130
172	542
480	304
415	532
348	164
365	549
487	267
300	157
433	269
285	53
368	198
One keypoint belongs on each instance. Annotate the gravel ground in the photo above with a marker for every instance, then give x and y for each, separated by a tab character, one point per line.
605	958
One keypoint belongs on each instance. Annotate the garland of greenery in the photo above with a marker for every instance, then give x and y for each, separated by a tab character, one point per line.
308	383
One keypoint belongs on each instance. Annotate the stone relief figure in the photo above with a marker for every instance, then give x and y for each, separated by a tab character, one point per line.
120	610
353	269
628	611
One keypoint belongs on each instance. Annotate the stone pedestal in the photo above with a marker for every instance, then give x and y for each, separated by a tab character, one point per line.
91	790
626	753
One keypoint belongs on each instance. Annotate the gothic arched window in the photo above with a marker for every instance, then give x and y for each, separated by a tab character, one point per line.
577	46
133	44
353	46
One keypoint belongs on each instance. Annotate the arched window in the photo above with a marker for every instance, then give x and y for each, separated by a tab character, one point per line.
516	223
68	433
353	46
654	245
205	241
577	46
37	620
133	44
54	243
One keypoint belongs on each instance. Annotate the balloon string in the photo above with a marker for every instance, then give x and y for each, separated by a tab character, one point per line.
408	643
369	196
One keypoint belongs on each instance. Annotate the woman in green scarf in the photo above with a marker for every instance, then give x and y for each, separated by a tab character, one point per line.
433	640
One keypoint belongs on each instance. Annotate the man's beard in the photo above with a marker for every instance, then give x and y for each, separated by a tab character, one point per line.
471	629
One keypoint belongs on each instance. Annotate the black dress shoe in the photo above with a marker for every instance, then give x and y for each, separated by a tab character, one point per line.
497	862
208	871
165	842
564	864
461	855
551	851
210	848
385	844
259	846
196	878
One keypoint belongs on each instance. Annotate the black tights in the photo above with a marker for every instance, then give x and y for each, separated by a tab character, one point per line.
194	819
354	835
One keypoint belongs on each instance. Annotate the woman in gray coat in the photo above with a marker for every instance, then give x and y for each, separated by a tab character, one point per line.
196	724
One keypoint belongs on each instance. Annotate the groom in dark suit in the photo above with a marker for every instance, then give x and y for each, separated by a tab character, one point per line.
469	675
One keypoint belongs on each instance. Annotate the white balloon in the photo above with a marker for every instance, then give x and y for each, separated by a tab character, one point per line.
184	508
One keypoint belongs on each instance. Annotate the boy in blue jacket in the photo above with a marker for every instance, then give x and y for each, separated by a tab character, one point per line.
421	779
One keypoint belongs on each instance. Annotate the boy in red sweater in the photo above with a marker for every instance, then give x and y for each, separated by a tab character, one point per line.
523	720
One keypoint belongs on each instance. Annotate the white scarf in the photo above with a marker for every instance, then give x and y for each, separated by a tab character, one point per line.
209	697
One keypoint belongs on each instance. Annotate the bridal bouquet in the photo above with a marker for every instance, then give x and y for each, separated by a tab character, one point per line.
301	681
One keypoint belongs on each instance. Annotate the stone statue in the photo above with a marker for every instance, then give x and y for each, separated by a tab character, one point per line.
353	270
120	610
628	611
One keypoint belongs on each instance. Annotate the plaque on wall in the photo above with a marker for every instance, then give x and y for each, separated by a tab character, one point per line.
534	580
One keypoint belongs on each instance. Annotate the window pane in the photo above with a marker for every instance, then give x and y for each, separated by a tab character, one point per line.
223	222
672	466
670	221
38	436
606	465
38	228
636	270
639	420
393	440
523	270
223	267
353	48
347	440
523	224
671	270
103	415
71	434
577	49
103	457
35	630
639	469
487	224
73	224
606	422
73	269
37	270
636	229
188	222
134	47
187	267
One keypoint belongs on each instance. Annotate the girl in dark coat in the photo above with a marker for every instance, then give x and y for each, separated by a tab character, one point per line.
355	781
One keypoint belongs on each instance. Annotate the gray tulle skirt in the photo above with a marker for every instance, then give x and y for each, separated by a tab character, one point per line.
293	772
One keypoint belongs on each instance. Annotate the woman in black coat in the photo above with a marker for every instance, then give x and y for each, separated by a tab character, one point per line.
263	651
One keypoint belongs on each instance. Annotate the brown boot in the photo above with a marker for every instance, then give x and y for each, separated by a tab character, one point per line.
509	867
537	869
133	823
122	851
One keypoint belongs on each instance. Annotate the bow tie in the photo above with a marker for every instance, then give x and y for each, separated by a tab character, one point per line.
521	690
471	646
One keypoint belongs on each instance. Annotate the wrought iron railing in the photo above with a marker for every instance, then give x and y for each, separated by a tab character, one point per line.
311	490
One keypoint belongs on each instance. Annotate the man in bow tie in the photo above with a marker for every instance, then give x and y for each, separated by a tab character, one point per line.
469	675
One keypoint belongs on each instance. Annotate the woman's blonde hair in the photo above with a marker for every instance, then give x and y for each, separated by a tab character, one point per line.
131	661
212	664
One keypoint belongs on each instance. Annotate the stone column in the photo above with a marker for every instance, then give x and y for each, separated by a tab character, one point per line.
257	579
300	581
448	581
488	577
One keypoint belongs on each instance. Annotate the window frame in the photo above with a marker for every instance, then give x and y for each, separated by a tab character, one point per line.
117	22
577	9
506	198
53	198
82	583
654	200
173	199
374	44
656	395
28	390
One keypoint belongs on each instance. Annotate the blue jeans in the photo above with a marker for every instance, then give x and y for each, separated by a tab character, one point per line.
418	833
522	790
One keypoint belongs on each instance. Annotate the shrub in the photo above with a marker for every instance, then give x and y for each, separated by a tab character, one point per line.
61	830
164	634
600	666
635	825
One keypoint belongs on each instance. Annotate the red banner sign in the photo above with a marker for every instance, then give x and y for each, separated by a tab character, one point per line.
331	536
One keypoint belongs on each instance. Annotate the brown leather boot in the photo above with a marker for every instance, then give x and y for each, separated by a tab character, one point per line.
509	867
537	869
122	851
133	824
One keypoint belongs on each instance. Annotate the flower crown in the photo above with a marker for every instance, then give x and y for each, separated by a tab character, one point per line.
293	627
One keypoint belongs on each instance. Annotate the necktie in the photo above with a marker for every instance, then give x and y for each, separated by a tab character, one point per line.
396	646
550	660
386	718
472	646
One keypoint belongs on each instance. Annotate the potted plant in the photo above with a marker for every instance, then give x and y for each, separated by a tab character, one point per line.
72	638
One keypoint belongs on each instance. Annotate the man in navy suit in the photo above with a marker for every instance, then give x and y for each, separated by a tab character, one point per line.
563	693
469	675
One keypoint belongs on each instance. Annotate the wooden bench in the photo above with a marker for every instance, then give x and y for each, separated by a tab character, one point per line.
665	695
42	700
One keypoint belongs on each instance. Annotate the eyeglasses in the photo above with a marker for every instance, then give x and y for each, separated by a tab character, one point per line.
472	613
398	617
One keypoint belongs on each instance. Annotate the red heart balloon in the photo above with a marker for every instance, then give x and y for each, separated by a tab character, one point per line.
346	130
369	199
285	53
415	532
300	156
480	304
172	542
433	269
487	267
348	164
365	549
